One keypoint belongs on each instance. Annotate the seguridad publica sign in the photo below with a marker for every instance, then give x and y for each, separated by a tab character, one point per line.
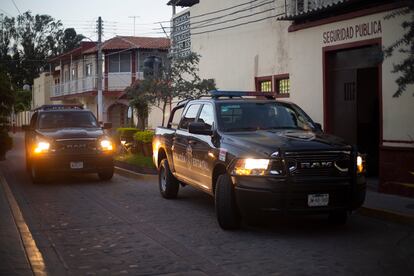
353	31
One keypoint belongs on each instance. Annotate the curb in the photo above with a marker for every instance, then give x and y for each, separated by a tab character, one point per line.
128	173
387	215
365	211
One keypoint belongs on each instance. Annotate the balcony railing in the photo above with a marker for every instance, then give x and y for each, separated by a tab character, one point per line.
116	82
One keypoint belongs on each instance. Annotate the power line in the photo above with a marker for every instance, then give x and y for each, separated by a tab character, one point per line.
231	20
232	13
238	25
217	11
16	7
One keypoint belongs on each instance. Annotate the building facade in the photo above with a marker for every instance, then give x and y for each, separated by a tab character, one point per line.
324	55
75	78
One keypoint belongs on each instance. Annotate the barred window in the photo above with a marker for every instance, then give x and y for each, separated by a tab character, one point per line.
283	86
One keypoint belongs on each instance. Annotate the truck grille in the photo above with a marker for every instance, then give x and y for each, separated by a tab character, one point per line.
324	164
76	146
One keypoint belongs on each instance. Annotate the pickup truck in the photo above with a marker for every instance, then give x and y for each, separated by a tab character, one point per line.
255	154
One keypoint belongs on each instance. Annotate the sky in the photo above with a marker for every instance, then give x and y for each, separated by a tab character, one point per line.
116	15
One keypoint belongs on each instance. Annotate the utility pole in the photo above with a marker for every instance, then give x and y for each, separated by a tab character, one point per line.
133	16
100	100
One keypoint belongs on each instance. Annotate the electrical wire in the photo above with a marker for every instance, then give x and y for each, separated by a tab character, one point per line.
232	13
238	25
14	3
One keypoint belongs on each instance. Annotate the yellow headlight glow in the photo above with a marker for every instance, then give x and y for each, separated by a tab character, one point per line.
41	147
106	145
251	166
360	164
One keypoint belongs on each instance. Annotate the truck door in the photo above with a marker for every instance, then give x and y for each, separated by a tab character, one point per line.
203	150
182	150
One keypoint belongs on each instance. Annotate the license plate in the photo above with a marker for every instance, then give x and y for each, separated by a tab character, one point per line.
315	200
76	165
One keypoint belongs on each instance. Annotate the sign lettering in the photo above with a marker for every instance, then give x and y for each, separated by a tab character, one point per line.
353	31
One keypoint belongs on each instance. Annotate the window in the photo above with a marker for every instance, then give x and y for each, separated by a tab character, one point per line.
207	115
264	84
119	63
189	116
88	69
282	85
113	63
125	62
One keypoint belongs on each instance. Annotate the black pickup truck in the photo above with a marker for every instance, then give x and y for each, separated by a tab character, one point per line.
256	154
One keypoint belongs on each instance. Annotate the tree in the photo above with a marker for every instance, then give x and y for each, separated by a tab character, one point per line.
404	45
177	79
6	103
69	41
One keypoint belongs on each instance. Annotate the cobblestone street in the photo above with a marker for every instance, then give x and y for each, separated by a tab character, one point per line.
83	226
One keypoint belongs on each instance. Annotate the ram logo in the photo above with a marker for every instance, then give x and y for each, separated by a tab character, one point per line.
316	165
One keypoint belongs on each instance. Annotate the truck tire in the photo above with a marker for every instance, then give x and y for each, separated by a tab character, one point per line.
167	183
227	213
106	175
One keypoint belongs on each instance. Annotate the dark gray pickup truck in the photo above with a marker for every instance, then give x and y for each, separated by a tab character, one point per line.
255	154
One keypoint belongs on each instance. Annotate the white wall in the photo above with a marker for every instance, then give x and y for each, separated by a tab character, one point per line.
234	57
306	73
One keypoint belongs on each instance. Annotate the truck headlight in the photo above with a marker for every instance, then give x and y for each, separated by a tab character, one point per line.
106	145
251	166
360	164
41	147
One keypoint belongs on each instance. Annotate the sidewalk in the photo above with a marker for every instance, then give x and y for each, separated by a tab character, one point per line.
387	206
13	256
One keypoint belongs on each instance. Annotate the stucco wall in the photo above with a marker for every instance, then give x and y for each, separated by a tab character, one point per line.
42	89
306	73
235	56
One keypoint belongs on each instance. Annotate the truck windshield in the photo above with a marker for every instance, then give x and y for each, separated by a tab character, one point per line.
248	116
67	119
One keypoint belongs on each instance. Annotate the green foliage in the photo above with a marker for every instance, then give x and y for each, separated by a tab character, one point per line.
144	136
404	45
6	142
136	159
6	99
126	133
179	79
27	41
23	99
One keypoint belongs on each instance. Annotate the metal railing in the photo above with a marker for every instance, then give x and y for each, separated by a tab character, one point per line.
116	82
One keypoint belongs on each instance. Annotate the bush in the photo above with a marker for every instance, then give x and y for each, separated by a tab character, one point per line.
126	133
6	142
144	136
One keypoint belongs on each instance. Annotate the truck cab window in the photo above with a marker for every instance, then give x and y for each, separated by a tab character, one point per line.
207	115
189	116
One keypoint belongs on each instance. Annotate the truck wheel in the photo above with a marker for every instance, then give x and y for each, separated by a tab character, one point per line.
168	184
106	175
36	174
338	217
226	209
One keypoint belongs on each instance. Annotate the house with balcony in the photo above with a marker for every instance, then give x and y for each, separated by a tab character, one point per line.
75	78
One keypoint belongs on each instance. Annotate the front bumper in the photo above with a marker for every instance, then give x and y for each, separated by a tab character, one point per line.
283	195
91	163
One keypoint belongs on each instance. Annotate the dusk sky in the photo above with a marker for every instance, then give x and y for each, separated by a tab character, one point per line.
82	15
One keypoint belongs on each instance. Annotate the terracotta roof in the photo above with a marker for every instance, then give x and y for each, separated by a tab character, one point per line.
84	47
134	42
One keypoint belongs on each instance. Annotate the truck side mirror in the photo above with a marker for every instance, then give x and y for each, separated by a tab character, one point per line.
199	128
318	126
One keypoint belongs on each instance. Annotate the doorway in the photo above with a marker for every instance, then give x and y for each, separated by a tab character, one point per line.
353	99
